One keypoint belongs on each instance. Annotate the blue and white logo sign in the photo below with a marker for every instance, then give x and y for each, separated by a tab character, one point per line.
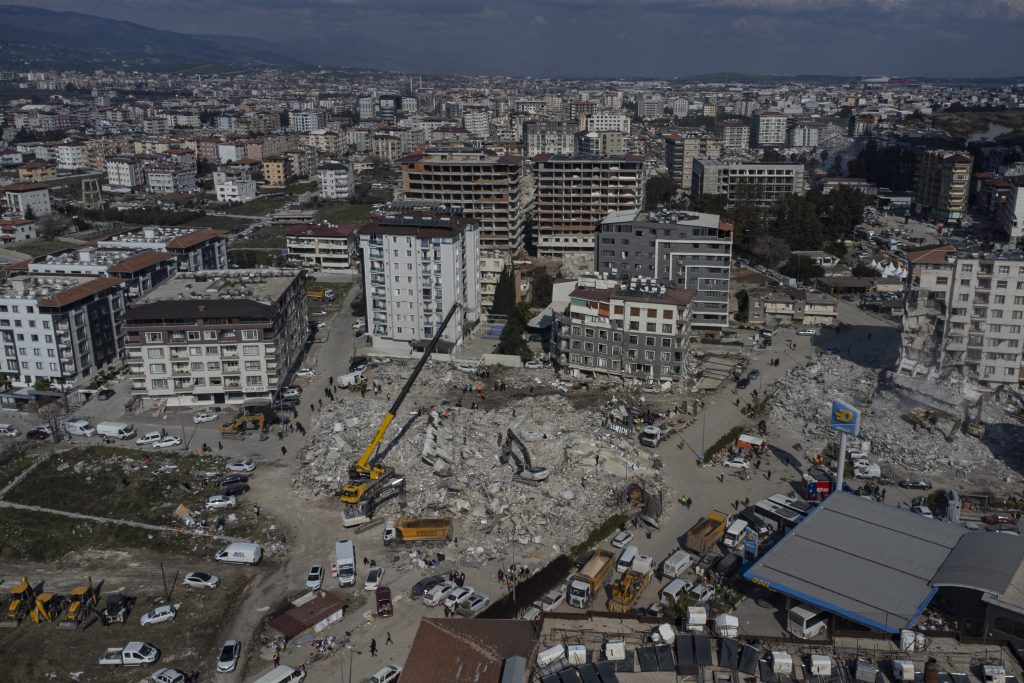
845	418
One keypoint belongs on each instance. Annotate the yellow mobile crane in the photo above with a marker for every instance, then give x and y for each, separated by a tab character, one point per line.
367	474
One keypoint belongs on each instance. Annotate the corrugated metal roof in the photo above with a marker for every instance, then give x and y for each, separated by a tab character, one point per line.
982	561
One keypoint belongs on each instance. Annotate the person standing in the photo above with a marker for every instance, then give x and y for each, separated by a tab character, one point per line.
373	647
389	641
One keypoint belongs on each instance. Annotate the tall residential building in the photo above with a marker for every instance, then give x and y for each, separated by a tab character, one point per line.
734	134
771	129
488	187
277	170
608	143
573	194
327	249
195	248
651	108
337	181
804	134
601	121
71	156
682	148
942	183
478	122
306	121
1010	215
418	265
760	182
964	314
125	171
549	137
170	179
28	199
637	329
60	329
218	337
687	250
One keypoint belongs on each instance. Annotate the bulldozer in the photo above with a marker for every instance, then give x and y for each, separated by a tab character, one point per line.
48	607
81	603
930	419
19	602
244	423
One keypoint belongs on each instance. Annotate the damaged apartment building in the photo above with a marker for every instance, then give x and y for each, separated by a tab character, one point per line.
964	315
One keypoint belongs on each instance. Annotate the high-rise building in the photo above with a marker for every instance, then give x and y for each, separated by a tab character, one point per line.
607	143
417	265
760	182
942	183
305	121
650	108
125	171
337	181
573	194
549	137
771	129
804	134
1010	215
488	187
688	250
682	148
601	121
478	122
734	134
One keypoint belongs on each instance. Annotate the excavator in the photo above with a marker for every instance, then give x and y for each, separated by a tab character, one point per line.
525	470
1003	389
975	426
19	601
367	475
930	419
81	604
244	423
47	608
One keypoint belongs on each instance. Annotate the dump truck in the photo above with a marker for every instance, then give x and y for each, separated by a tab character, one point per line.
81	603
588	581
707	532
320	294
47	608
135	653
418	530
20	600
628	589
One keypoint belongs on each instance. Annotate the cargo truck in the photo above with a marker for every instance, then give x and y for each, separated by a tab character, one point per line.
345	563
588	581
628	589
422	530
707	532
320	294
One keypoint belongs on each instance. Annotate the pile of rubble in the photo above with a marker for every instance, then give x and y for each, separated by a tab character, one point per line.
450	456
801	405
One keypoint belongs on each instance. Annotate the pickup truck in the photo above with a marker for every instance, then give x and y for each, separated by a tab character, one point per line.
135	653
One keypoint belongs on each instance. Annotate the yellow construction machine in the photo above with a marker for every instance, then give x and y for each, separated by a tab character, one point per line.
628	589
975	426
81	604
244	423
19	602
931	419
47	608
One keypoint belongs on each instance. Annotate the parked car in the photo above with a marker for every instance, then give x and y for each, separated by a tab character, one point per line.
219	502
167	676
201	580
245	465
105	394
389	674
457	596
360	323
40	433
150	438
753	374
765	332
158	615
373	579
622	539
743	383
702	593
305	373
533	365
231	479
998	518
552	599
228	658
923	510
320	312
736	462
1011	529
465	367
807	332
9	430
474	605
205	416
436	595
291	393
234	490
315	577
168	442
922	484
423	585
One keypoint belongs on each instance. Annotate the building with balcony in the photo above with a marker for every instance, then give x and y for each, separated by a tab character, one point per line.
942	181
790	306
170	180
573	194
759	182
337	181
549	137
1010	212
28	200
235	191
125	171
140	269
964	315
734	134
637	329
222	337
416	266
195	248
326	249
14	230
277	170
685	250
60	329
492	265
488	187
681	149
771	128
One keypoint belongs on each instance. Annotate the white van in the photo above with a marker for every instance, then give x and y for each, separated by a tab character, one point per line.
735	533
807	622
240	553
351	379
626	559
677	563
78	428
9	430
345	563
281	674
674	590
117	430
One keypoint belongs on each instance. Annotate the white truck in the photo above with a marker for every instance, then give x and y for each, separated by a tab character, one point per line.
677	563
135	653
735	533
240	553
345	563
77	427
116	430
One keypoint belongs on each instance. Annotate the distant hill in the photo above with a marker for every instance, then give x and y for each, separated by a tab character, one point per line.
73	33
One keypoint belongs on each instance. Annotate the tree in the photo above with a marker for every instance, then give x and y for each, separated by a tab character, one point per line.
512	341
43	384
658	190
504	295
29	213
712	203
49	227
359	307
802	268
864	270
52	414
772	155
542	285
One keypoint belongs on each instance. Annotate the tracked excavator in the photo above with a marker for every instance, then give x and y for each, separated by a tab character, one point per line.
368	475
525	468
931	419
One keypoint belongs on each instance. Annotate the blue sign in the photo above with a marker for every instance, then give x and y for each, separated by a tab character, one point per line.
845	418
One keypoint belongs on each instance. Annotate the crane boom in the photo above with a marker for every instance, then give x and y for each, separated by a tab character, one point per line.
366	467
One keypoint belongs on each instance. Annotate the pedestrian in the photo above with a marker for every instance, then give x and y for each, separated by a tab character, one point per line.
499	438
284	450
501	575
205	447
389	641
330	380
277	659
320	403
373	647
220	446
312	407
447	612
389	395
721	477
769	475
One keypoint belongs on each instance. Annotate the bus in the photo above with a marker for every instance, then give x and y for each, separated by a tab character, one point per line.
782	517
807	622
791	503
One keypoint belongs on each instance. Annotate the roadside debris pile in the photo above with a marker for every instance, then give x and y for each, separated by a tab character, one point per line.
543	486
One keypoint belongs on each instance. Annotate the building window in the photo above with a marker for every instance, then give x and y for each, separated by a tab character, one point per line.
252	365
253	380
154	337
666	328
159	383
193	335
197	367
250	335
210	335
250	350
155	353
213	366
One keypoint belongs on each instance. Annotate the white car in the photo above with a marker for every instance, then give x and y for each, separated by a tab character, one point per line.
228	658
201	580
168	442
373	579
465	367
320	312
359	325
167	676
389	674
622	539
320	324
219	502
702	593
551	600
923	510
246	465
457	596
305	373
150	438
533	365
807	332
315	577
205	416
737	463
436	595
474	605
292	393
158	615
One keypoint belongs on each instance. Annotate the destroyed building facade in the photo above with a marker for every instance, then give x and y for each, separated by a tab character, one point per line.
790	306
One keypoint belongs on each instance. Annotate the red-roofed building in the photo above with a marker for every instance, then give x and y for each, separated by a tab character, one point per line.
327	249
28	200
467	650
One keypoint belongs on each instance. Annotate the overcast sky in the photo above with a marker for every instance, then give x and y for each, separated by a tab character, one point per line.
660	38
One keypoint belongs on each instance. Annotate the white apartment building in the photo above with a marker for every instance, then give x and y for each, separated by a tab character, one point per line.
236	191
478	123
652	108
727	177
125	171
1011	214
321	248
416	267
71	156
195	248
60	329
549	137
218	337
601	121
170	180
28	199
804	135
771	129
337	180
306	121
492	265
734	134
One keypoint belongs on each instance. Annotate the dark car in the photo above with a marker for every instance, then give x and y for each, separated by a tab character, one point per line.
753	374
38	434
922	484
743	383
104	394
424	585
535	338
998	518
232	479
234	490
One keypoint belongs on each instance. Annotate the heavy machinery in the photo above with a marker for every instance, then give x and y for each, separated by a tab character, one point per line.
628	589
586	583
930	419
1003	389
47	608
525	469
81	603
119	606
19	601
244	423
975	426
367	474
432	531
